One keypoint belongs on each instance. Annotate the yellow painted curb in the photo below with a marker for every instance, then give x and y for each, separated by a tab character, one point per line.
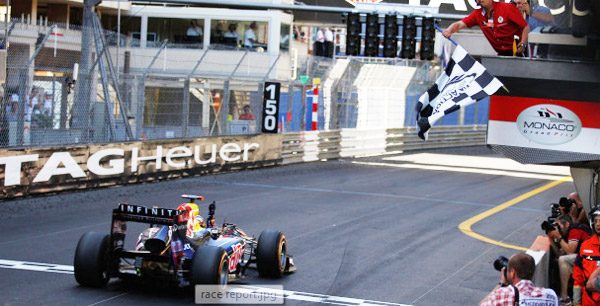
465	226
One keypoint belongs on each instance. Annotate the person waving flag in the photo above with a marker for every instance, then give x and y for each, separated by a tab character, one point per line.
464	82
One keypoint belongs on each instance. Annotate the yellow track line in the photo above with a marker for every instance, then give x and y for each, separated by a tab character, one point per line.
465	227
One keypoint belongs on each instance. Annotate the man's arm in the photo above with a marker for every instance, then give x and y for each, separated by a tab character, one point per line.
543	17
593	281
542	14
583	218
453	28
569	247
487	300
524	39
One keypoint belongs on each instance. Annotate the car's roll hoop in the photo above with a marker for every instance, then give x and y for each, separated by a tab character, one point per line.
192	197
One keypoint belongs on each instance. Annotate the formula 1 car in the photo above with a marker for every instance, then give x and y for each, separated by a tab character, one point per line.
178	247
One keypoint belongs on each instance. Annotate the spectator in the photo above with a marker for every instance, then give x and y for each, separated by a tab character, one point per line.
32	103
577	211
575	235
13	112
586	264
48	101
319	43
328	50
516	287
250	36
217	35
499	22
231	36
194	32
247	115
536	16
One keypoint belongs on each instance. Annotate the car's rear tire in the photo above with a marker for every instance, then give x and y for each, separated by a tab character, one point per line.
271	254
210	266
91	260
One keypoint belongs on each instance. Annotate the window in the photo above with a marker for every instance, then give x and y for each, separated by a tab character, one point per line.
179	32
130	30
284	42
239	34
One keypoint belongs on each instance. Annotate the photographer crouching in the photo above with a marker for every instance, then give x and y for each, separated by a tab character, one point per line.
567	237
516	286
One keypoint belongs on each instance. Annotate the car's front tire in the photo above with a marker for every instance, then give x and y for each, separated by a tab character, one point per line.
91	260
271	254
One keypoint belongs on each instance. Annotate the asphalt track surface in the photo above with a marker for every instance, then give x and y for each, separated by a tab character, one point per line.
356	231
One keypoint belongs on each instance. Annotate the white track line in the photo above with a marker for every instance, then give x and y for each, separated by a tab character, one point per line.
479	162
35	266
465	170
288	294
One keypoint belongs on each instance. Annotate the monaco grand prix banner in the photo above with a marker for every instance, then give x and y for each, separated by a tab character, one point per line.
41	170
571	126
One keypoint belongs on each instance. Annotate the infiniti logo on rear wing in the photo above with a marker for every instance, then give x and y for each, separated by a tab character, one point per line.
147	212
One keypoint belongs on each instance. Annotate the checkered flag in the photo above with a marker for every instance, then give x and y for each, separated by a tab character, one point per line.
463	82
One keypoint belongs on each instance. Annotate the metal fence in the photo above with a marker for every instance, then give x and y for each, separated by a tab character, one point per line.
52	96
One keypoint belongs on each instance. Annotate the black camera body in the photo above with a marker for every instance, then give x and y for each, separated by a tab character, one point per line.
549	224
566	204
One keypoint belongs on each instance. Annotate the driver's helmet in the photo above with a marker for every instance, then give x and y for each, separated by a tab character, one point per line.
190	213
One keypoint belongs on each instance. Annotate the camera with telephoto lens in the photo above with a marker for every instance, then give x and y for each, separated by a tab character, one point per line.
500	262
566	204
549	224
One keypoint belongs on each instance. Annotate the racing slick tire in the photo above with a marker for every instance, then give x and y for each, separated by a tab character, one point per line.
91	260
210	266
271	254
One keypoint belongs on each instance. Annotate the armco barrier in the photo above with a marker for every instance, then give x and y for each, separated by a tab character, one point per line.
52	169
319	145
406	139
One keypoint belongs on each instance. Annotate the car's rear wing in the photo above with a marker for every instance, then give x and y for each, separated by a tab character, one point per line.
142	214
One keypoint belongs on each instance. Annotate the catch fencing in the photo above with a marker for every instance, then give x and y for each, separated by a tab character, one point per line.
53	96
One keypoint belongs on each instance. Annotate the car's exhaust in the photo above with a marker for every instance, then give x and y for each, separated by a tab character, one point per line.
159	241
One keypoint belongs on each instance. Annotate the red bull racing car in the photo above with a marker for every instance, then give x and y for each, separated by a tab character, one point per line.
180	247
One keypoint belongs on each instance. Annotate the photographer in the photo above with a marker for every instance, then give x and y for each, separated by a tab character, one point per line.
586	264
577	211
575	234
516	287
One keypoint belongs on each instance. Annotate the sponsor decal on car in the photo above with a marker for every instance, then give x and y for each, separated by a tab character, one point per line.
236	256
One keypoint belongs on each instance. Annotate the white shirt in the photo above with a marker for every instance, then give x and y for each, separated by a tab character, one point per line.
229	34
194	31
320	37
328	35
249	36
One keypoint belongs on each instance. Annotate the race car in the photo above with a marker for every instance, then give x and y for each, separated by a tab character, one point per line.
178	247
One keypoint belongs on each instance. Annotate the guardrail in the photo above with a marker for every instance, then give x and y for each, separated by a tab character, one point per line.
319	145
28	171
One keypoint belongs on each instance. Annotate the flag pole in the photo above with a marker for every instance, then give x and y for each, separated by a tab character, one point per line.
442	31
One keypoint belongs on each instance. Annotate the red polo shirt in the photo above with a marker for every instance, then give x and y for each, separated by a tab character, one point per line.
507	22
